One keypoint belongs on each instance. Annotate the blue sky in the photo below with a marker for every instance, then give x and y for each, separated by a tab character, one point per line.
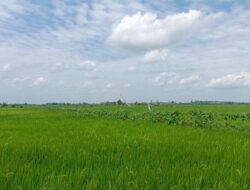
93	51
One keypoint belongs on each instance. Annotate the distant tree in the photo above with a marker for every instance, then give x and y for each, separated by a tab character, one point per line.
4	104
119	102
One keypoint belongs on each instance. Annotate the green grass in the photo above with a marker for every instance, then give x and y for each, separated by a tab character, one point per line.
43	148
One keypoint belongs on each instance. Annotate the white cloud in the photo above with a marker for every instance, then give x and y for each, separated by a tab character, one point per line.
109	85
88	65
20	79
147	31
39	81
236	80
7	7
77	32
87	84
127	85
154	56
82	11
7	67
164	79
194	79
131	68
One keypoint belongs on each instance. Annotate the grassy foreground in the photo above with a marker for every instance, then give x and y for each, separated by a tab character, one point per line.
43	148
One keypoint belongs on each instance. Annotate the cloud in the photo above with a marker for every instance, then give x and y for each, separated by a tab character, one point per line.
8	7
194	79
20	79
109	85
87	65
147	31
66	43
127	85
164	79
39	81
154	56
7	67
131	68
237	80
87	84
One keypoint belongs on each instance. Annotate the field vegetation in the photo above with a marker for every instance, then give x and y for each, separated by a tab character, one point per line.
125	147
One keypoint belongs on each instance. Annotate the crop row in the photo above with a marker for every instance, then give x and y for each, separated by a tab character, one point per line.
192	118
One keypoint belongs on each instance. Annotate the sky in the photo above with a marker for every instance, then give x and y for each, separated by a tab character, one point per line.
93	51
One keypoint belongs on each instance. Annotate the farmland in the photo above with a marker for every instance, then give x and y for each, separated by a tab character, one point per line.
120	147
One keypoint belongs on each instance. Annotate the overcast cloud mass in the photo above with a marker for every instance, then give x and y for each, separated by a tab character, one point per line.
93	51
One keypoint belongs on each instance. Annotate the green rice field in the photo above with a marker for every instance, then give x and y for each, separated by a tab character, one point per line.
111	147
